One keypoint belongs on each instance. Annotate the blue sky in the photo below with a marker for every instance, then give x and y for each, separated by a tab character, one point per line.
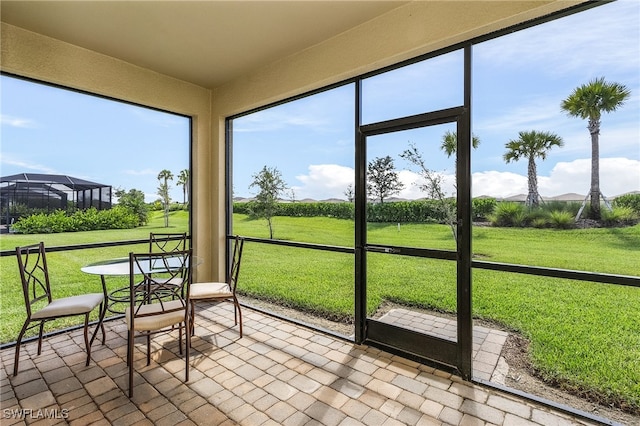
519	81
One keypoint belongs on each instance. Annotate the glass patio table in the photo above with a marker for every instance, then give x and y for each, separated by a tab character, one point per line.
120	267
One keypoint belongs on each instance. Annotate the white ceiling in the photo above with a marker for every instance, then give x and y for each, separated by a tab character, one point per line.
204	42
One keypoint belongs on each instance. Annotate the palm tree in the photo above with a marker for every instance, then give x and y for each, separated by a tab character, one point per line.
163	191
183	179
588	102
450	142
531	145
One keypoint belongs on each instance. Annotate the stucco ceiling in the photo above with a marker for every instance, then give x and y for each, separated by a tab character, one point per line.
204	42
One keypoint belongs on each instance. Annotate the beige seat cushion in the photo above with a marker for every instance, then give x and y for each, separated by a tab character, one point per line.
73	305
209	291
177	281
157	322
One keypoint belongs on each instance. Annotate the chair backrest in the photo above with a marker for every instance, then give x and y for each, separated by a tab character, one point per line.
167	242
158	278
234	270
34	275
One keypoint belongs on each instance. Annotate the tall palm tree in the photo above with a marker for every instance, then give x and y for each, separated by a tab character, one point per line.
589	101
531	145
183	179
450	142
163	191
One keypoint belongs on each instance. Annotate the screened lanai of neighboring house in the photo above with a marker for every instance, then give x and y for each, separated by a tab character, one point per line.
29	191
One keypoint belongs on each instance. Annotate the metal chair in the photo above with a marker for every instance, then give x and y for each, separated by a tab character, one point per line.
221	291
158	305
42	307
167	242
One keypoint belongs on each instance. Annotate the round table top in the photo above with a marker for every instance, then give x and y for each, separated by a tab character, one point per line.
120	266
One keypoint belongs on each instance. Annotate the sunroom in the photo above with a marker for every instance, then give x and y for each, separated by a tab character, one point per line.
222	64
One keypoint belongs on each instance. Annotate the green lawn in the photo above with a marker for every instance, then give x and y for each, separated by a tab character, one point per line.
584	335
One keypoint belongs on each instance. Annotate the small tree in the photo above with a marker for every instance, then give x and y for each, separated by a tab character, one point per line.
350	193
433	187
531	145
163	191
433	180
183	180
270	183
382	179
134	201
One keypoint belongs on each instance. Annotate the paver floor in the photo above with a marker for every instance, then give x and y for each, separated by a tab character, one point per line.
277	374
487	342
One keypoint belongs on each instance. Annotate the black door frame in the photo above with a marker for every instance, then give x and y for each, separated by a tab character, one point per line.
453	354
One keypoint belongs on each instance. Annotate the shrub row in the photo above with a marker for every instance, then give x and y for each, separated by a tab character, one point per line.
91	219
631	201
556	215
394	212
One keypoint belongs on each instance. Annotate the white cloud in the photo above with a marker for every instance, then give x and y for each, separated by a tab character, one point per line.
277	119
617	176
7	160
413	181
319	113
324	181
142	172
533	114
498	184
17	121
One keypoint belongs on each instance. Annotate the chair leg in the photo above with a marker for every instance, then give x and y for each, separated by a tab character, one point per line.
128	345
187	345
235	311
237	306
18	343
86	338
130	342
148	348
40	337
192	315
100	325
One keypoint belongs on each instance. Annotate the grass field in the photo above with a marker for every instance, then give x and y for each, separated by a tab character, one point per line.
583	335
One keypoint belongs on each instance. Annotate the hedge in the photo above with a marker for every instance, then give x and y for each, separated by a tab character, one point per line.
91	219
392	211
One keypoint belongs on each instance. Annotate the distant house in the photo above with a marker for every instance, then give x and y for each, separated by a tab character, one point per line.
28	191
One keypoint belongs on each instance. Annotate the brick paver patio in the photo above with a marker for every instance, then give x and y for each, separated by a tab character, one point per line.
487	342
277	374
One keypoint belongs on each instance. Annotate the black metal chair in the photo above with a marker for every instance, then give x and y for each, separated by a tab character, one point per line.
158	305
42	307
221	291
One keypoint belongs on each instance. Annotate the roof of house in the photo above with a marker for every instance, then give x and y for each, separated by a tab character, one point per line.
73	183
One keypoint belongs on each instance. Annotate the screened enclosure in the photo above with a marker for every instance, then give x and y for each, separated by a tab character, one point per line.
25	193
